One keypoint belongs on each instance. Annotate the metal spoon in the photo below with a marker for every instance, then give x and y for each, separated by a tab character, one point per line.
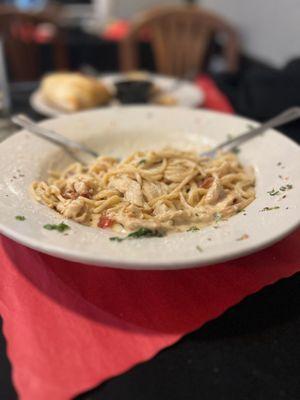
54	137
281	119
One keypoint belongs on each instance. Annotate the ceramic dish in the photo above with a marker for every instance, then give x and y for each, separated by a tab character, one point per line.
119	131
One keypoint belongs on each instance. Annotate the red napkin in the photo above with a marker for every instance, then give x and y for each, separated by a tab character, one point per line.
69	327
214	98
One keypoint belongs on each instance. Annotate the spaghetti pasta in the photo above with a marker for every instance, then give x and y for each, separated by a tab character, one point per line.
167	190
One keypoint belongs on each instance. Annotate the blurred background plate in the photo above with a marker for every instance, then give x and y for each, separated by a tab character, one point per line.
186	93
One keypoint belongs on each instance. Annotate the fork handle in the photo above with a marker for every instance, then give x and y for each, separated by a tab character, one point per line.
283	118
25	122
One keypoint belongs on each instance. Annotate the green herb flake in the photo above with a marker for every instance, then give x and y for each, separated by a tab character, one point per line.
116	239
62	227
20	218
273	192
236	150
193	229
218	216
138	234
270	208
142	161
287	187
199	249
145	232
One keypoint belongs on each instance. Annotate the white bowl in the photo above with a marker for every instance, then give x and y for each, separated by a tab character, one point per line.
119	131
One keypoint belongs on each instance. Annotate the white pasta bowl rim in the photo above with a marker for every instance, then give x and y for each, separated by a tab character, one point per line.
133	254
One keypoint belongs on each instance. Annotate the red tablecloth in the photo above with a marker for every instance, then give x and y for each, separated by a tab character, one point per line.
69	327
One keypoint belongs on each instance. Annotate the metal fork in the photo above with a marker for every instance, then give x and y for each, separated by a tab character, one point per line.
24	122
283	118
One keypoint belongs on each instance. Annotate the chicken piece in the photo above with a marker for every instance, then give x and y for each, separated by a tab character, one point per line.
133	211
214	192
79	186
131	189
153	190
71	208
134	193
121	184
223	169
160	209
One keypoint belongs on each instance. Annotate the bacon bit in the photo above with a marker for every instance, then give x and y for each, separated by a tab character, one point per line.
73	195
207	182
105	222
70	195
86	195
243	237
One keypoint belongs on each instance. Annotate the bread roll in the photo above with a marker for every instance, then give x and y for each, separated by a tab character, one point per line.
73	91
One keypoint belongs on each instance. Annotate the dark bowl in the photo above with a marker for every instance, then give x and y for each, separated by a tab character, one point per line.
133	92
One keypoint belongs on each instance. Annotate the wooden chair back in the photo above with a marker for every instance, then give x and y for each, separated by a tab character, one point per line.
23	55
180	37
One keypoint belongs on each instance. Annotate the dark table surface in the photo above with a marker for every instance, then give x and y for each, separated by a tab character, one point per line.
251	352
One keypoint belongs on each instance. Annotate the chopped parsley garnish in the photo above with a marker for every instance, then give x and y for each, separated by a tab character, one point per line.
218	217
20	218
199	249
235	150
140	233
116	239
142	161
54	227
273	192
270	208
287	187
193	229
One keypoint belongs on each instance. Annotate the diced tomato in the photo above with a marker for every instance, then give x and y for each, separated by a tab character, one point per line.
105	222
207	182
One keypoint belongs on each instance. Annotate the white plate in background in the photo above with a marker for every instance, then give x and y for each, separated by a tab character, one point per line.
187	94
